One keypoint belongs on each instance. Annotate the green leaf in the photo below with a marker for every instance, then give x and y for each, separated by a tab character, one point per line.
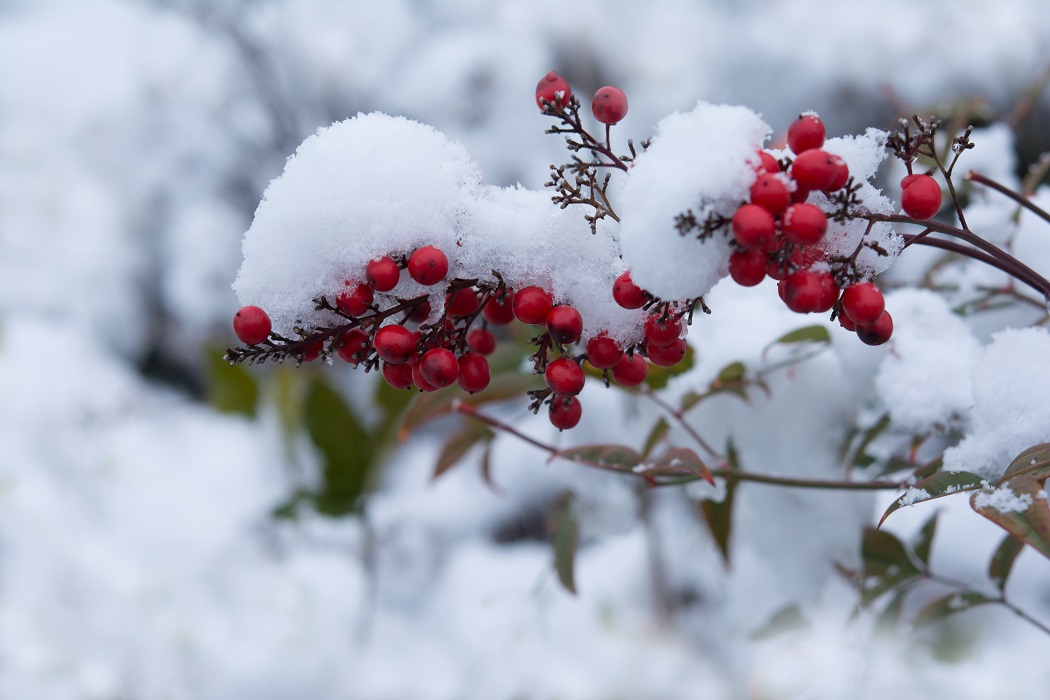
346	448
565	535
719	516
787	619
867	438
949	605
613	456
1031	525
924	540
809	334
1033	462
658	433
1003	560
883	554
733	372
486	470
937	486
231	388
432	405
459	443
680	460
658	377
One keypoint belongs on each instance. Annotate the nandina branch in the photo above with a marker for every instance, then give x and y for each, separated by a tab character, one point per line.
1004	190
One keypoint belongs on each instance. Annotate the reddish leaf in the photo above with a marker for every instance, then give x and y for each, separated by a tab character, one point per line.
1032	524
680	460
612	456
435	404
937	486
1033	462
459	443
1003	560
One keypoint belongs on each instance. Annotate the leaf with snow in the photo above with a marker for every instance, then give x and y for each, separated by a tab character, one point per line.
679	460
1019	507
937	486
1034	462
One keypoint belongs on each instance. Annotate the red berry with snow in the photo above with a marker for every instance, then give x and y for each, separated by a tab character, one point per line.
876	333
841	176
747	268
355	299
353	346
398	376
499	309
565	413
564	377
251	325
439	367
481	340
382	274
565	324
802	291
863	303
667	355
767	164
554	90
628	294
815	169
532	304
603	352
754	227
630	371
805	133
473	372
463	302
920	197
428	265
803	224
662	330
609	105
770	193
395	344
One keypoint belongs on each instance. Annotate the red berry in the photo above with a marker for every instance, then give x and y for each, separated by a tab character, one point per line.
463	303
565	324
628	294
661	331
251	325
863	303
846	323
499	310
754	227
564	377
439	367
353	346
805	133
532	304
609	105
804	224
799	195
355	298
398	376
481	340
802	291
473	372
920	197
418	379
815	169
841	176
667	355
829	292
314	351
770	193
420	313
876	333
778	268
395	344
428	265
382	274
747	268
603	352
548	88
630	371
565	413
767	164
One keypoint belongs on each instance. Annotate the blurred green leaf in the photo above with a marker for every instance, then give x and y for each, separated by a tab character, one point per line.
659	377
949	605
1033	462
887	565
658	433
868	436
565	535
1031	525
937	486
346	448
787	619
1003	560
459	443
680	460
810	334
231	388
719	515
733	372
924	540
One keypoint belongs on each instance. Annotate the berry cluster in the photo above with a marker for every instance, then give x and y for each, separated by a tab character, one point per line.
779	234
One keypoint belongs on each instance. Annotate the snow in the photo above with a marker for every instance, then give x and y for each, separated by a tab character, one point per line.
1002	500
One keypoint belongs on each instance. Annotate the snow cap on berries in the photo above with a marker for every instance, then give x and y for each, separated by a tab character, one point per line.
702	161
